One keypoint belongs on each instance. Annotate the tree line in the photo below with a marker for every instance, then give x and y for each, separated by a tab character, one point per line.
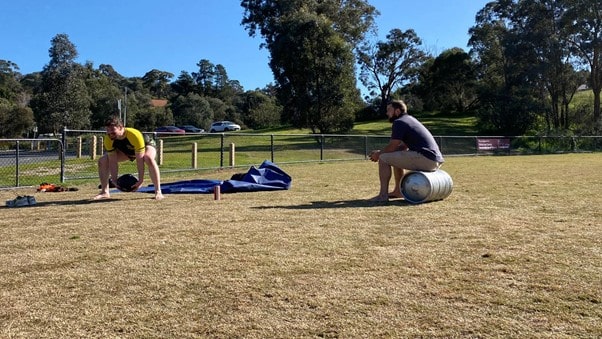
527	59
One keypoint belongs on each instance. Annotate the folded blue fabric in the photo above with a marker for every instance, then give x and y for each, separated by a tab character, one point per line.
267	177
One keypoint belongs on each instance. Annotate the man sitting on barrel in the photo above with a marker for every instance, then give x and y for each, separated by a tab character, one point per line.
411	147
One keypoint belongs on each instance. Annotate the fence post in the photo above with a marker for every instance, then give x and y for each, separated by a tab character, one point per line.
63	154
160	155
101	146
63	157
17	164
272	147
221	151
93	146
79	147
321	147
194	155
232	161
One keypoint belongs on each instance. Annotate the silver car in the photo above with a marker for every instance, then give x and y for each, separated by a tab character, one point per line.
224	126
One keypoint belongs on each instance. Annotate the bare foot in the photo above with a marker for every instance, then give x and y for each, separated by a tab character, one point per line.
395	194
159	196
101	196
379	198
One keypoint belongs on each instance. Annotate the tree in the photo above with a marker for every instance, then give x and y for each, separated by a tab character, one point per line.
537	25
321	96
211	81
509	86
15	117
260	110
454	81
10	87
221	111
445	83
582	24
220	80
142	115
62	99
31	84
184	84
157	82
418	94
350	18
205	77
14	120
390	64
311	45
104	92
530	53
112	74
192	109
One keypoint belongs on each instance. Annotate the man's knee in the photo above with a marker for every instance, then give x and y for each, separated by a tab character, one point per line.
103	160
150	155
385	158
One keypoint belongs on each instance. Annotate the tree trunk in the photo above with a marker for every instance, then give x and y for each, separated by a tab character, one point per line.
597	120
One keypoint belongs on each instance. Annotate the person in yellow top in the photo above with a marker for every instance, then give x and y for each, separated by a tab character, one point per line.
122	144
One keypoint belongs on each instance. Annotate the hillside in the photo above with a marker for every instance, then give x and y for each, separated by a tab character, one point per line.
438	125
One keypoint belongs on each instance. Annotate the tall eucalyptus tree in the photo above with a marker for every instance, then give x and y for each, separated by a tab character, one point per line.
311	46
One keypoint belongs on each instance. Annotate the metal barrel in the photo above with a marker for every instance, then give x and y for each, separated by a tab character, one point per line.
418	187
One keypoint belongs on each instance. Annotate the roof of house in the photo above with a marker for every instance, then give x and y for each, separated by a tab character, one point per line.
158	102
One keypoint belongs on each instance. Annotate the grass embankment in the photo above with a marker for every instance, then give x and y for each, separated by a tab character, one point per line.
437	123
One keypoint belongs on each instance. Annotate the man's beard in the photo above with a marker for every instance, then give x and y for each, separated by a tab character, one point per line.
393	118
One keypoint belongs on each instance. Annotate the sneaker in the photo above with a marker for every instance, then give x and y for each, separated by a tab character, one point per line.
21	201
10	203
31	200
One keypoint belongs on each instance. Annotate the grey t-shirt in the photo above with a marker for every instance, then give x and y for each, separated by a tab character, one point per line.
416	136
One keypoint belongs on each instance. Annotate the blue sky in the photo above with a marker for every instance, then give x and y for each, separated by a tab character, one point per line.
136	36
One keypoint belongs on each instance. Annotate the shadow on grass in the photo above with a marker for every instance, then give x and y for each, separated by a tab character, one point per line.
65	203
340	204
72	202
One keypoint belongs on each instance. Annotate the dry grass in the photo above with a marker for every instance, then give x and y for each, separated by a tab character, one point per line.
515	251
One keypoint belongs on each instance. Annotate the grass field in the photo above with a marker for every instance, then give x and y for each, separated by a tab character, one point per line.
514	251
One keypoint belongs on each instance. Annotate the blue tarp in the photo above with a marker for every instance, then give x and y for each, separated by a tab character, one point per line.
267	177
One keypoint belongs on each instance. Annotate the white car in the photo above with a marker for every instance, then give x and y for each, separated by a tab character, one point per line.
224	126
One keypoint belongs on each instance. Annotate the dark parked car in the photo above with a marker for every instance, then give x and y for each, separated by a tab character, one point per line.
169	130
191	129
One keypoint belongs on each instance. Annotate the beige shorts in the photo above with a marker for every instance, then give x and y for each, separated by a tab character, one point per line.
409	160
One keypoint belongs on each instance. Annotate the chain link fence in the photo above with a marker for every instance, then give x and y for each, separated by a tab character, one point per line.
74	154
